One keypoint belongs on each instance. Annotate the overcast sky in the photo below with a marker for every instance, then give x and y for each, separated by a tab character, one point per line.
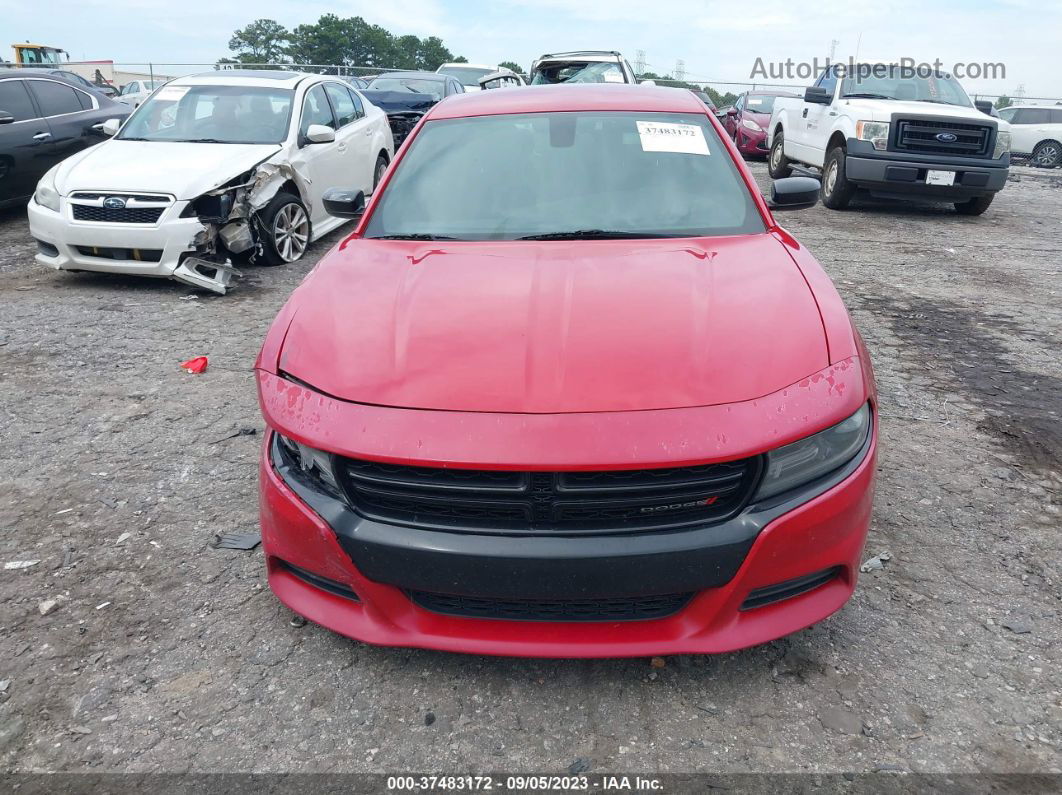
718	40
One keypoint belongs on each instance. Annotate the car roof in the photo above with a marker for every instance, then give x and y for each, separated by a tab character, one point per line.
1036	105
585	97
764	92
244	77
471	65
424	75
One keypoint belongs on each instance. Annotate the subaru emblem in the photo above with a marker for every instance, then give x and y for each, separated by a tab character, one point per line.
114	203
947	138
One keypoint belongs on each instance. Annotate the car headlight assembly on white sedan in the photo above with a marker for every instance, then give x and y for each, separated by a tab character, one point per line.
212	170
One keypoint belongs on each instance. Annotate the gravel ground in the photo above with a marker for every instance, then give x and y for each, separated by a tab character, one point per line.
164	654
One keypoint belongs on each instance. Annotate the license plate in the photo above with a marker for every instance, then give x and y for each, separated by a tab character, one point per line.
940	177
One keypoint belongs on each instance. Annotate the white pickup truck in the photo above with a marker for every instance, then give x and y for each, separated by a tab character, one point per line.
895	132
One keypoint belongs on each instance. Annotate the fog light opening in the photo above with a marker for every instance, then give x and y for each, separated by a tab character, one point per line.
769	594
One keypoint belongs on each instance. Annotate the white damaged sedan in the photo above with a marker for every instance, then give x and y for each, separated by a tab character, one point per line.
211	167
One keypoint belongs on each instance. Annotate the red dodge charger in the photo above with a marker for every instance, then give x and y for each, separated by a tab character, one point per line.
567	390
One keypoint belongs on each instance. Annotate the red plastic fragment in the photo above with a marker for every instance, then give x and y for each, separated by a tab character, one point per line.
195	366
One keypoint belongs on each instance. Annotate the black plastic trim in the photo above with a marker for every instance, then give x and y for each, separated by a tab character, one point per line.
317	581
781	591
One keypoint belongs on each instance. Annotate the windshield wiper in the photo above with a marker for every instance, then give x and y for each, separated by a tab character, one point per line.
866	96
131	138
412	236
591	234
202	141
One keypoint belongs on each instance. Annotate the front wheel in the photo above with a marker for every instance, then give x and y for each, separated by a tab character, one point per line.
1047	154
837	191
378	171
286	226
778	166
974	206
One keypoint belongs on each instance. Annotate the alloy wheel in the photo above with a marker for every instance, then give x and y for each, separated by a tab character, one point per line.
291	232
1048	155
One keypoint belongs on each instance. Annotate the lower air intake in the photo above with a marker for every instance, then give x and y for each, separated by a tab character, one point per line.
788	589
642	608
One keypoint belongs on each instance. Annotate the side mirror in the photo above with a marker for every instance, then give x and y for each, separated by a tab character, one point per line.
344	202
794	193
818	95
109	127
320	134
985	106
5	117
732	113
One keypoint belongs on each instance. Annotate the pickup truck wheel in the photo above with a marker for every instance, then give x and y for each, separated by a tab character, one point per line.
837	191
974	206
778	166
1047	154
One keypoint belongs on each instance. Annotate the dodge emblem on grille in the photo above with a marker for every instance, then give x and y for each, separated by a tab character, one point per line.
114	203
674	506
947	138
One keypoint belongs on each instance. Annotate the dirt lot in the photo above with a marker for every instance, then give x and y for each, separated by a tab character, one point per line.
164	654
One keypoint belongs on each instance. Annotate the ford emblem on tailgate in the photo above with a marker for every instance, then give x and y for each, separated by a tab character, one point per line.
117	203
947	138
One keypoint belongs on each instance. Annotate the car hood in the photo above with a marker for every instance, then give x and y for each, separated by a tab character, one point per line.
555	327
883	110
401	101
181	169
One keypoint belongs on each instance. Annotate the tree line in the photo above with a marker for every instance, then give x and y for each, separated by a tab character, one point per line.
340	41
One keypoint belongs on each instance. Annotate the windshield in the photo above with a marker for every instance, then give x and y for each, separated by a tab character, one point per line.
569	72
418	85
467	75
557	175
212	114
894	82
760	103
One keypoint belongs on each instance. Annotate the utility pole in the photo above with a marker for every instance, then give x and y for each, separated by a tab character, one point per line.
639	62
680	70
833	48
1019	93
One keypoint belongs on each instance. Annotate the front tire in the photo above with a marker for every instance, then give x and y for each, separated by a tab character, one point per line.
378	171
837	191
974	206
286	230
1047	154
778	165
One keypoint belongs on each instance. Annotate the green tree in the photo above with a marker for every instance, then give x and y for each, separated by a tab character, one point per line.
1003	102
511	65
460	59
263	41
433	54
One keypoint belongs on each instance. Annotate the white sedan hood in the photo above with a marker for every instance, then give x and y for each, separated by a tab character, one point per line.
183	170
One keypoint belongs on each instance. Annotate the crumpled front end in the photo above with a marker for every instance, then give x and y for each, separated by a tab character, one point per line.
157	234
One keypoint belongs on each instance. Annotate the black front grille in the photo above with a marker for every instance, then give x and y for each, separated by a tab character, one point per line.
641	608
513	502
920	135
125	215
133	254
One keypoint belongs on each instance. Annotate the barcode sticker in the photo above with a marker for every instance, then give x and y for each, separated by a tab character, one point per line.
666	137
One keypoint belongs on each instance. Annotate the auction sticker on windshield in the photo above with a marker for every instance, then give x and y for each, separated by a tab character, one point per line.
665	137
172	92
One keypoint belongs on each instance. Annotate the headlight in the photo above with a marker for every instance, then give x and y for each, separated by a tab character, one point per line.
807	459
751	125
46	195
315	465
1002	144
877	132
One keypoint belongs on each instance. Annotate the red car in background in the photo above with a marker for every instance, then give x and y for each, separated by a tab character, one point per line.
567	390
747	120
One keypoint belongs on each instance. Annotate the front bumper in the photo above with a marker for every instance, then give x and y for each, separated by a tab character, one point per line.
165	249
751	143
893	174
361	578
